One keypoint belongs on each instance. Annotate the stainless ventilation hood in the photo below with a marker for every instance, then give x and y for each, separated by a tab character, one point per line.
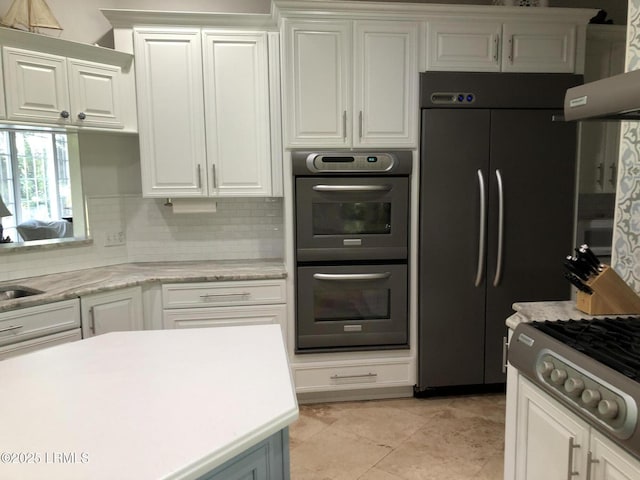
612	98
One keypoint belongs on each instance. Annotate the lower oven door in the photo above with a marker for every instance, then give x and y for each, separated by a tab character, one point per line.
351	307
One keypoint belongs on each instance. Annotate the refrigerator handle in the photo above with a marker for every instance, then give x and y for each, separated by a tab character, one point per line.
498	276
481	233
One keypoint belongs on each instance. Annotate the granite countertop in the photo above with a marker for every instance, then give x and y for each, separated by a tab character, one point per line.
532	311
63	286
170	404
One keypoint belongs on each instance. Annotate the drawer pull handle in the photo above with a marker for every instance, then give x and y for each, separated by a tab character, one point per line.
365	375
92	321
216	296
12	327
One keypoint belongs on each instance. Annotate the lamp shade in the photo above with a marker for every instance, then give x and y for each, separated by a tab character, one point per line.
4	211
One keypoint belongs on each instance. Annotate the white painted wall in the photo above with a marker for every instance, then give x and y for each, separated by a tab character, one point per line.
83	22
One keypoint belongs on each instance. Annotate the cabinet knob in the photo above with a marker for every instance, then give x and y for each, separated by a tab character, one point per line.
82	116
64	114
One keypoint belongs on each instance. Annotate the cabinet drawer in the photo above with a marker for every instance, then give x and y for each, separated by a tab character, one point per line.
349	377
224	316
190	295
40	343
32	322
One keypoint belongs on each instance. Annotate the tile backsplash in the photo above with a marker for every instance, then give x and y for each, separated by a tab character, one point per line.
239	229
626	236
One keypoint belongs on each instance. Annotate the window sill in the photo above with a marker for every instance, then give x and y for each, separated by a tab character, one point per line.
41	245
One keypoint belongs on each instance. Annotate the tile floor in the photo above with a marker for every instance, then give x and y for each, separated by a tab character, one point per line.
446	438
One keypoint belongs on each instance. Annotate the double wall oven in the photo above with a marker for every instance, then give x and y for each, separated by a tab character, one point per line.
352	242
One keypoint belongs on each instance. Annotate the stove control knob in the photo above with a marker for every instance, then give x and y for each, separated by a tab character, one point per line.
608	409
558	376
591	397
545	368
574	386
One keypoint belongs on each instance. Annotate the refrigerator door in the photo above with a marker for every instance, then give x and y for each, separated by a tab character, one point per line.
455	147
535	159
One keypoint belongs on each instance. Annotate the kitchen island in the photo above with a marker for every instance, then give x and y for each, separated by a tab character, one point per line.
170	404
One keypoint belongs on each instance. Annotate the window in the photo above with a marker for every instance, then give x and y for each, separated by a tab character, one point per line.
35	184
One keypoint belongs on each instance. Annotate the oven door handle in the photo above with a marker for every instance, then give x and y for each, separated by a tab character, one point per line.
349	277
352	188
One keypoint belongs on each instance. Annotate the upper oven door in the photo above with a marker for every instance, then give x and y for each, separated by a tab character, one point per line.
352	218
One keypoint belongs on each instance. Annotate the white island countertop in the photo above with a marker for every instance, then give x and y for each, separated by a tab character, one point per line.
165	404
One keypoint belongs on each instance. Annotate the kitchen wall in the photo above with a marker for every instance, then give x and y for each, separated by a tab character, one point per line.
239	229
626	246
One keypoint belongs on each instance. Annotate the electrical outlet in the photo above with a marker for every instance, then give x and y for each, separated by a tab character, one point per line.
114	239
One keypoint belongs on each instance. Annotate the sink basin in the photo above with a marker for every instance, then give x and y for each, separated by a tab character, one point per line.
17	291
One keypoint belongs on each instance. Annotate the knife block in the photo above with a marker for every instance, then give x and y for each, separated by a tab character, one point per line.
611	295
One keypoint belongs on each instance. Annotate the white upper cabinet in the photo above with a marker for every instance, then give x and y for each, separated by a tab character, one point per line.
600	141
171	112
350	84
529	47
317	82
236	97
95	90
464	46
471	45
204	112
385	86
36	85
47	88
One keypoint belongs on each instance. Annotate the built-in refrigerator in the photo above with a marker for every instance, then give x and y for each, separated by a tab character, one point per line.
497	190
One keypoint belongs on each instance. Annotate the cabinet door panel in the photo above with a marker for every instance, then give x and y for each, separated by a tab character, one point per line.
548	438
611	463
385	84
116	311
96	94
465	46
36	86
538	48
316	83
237	114
171	112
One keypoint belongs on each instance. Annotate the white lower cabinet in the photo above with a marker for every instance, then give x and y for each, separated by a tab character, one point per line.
33	328
224	304
115	311
554	443
329	376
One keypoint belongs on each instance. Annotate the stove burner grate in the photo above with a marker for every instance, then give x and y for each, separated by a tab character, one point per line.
615	341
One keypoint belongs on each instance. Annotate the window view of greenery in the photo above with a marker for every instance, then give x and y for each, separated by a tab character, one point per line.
35	185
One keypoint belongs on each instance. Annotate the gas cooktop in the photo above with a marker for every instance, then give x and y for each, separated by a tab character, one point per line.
591	366
614	342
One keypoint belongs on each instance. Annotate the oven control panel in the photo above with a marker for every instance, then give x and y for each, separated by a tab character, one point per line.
595	398
361	162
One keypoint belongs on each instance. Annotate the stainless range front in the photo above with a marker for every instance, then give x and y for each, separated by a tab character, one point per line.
352	243
591	366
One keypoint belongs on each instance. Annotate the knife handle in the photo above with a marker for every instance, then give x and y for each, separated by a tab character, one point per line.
578	283
593	258
575	271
